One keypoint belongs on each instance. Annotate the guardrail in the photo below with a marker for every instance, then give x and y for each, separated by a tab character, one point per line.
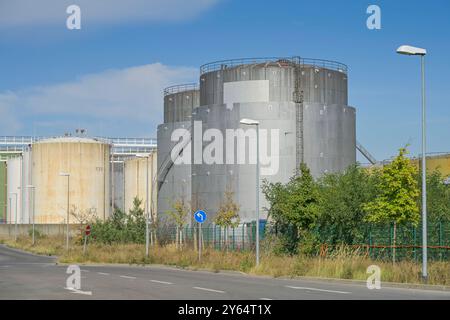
282	61
181	88
17	144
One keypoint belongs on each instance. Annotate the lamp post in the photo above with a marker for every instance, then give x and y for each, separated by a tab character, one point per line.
414	51
15	214
64	174
250	122
33	188
146	156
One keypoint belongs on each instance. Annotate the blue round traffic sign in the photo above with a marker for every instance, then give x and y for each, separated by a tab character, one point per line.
200	216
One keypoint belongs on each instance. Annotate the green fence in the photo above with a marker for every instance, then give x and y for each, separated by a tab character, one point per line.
376	241
240	238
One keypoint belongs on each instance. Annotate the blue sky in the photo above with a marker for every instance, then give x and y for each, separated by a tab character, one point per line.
108	76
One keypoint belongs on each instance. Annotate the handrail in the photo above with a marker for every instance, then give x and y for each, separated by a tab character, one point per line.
283	61
181	88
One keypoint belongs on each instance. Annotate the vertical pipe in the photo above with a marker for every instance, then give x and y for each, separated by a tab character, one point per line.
146	208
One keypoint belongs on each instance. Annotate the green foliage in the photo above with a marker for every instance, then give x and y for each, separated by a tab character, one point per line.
121	227
294	207
398	194
343	197
228	213
438	197
179	213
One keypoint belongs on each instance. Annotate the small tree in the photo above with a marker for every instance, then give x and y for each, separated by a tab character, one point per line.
228	214
294	207
83	217
179	215
397	200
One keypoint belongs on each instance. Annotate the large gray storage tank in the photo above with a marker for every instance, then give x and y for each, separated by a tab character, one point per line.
174	181
304	99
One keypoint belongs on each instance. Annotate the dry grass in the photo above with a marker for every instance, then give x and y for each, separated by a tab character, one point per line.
344	264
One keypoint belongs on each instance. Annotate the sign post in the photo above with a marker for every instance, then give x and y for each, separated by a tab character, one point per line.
200	217
87	232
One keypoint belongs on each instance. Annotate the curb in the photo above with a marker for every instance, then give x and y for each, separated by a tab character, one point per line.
28	252
386	284
394	285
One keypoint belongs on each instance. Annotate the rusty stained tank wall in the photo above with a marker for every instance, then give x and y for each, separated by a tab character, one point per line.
87	162
135	175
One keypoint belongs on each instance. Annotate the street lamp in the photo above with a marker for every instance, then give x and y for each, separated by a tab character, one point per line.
414	51
146	156
32	187
250	122
64	174
15	213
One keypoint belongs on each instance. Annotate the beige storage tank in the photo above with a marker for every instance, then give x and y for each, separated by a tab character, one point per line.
87	162
135	174
440	162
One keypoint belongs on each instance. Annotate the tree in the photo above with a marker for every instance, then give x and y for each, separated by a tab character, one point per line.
438	197
398	195
83	217
296	204
178	216
228	214
343	195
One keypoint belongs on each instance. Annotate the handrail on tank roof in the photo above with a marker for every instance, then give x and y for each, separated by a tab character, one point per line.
320	63
181	88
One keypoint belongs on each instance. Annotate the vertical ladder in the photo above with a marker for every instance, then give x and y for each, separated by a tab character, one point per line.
298	99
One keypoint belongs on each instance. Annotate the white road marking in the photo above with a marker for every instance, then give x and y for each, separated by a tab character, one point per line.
73	290
103	273
265	299
211	290
163	282
127	277
315	289
85	270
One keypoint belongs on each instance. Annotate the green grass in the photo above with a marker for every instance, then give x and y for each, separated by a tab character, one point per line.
344	264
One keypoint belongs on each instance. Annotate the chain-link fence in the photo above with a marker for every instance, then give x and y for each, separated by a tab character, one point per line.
376	241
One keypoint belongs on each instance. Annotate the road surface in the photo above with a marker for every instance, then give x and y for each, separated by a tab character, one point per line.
27	276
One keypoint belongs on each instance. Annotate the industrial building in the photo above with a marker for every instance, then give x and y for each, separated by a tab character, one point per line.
304	100
38	174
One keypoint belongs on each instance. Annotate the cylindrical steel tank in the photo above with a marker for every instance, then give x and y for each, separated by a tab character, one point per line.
301	106
174	180
179	101
117	184
14	194
87	162
3	192
136	171
439	162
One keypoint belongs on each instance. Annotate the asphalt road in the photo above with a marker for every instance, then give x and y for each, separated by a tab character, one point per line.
27	276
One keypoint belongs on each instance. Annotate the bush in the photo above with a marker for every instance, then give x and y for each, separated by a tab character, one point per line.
121	227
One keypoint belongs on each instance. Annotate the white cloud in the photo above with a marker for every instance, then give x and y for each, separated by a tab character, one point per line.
129	100
44	12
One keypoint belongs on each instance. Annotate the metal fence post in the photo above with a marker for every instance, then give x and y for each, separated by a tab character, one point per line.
243	237
440	240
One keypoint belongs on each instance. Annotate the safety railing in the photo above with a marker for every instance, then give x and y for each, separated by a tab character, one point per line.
281	61
181	88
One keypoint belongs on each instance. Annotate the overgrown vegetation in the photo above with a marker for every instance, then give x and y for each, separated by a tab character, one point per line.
345	263
228	214
341	208
121	227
